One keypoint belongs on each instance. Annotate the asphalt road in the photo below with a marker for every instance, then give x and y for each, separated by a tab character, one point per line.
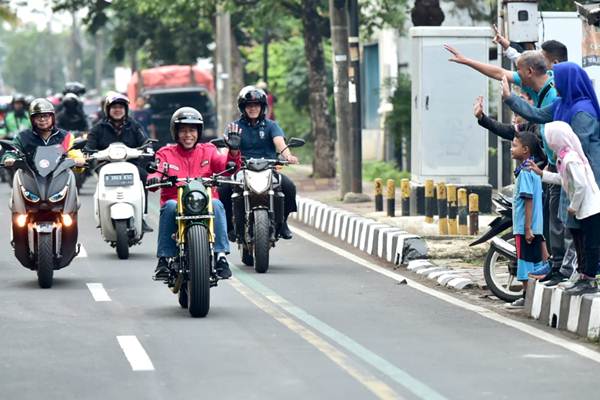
316	326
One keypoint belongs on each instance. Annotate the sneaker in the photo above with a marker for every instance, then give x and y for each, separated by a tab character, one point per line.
222	268
569	283
284	231
582	286
556	279
517	304
146	227
162	270
540	272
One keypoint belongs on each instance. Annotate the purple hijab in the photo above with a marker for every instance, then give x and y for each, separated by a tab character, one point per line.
576	92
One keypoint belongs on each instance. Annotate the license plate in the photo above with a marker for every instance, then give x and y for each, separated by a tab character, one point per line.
118	180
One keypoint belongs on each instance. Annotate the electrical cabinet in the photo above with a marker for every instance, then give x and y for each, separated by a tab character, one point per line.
447	144
521	20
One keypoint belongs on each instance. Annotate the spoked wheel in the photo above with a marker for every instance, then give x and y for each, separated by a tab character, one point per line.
499	273
45	260
262	241
198	285
122	239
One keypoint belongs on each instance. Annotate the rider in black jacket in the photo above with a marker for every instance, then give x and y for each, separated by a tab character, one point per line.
118	127
71	116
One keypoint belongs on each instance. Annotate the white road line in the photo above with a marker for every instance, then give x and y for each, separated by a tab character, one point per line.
135	353
82	252
98	292
484	312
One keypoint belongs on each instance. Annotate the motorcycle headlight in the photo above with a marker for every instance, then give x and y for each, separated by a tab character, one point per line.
195	202
258	182
56	197
116	153
32	197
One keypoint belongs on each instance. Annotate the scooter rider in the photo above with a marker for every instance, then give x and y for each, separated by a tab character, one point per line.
189	158
17	119
43	133
118	127
71	117
260	137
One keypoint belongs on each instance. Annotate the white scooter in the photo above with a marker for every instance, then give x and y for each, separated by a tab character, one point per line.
119	200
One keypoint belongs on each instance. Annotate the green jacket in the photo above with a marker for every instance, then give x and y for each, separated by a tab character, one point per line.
14	124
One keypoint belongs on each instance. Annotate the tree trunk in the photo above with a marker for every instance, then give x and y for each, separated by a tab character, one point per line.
237	74
324	156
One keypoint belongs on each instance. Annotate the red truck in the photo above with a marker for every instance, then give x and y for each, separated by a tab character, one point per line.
167	88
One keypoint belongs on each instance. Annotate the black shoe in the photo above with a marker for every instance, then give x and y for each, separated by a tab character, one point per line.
162	270
284	231
222	268
582	286
146	227
231	236
552	275
555	279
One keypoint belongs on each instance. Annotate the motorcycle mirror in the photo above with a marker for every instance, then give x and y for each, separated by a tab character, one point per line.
231	166
151	167
296	142
79	144
219	142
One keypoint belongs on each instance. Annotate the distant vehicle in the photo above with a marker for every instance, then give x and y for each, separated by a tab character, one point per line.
170	87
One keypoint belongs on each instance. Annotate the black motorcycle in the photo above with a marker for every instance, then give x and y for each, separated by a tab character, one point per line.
500	267
258	207
44	207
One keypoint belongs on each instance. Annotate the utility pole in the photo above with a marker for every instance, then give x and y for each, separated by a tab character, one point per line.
354	97
99	60
266	40
339	39
223	67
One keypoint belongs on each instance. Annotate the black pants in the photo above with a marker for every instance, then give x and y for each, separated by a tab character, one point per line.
287	187
588	240
556	227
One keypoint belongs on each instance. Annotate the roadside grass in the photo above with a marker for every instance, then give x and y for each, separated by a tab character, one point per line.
384	170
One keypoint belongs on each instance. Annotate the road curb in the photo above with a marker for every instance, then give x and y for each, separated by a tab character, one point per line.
377	239
555	308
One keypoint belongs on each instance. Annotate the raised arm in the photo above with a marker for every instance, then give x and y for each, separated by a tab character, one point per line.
489	70
529	112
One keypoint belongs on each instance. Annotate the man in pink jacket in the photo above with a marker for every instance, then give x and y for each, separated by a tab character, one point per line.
189	158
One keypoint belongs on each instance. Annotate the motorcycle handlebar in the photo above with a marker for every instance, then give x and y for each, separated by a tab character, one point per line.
170	182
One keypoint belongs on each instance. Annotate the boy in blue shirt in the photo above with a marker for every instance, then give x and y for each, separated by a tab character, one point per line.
527	211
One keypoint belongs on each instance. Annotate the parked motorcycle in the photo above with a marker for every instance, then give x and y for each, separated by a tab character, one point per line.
500	267
44	207
258	207
193	269
119	199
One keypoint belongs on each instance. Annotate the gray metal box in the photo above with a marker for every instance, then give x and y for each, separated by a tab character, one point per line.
522	20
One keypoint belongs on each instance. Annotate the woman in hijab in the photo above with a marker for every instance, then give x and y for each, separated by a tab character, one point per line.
576	105
577	179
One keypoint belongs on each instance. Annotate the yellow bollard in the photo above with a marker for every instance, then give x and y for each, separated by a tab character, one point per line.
405	190
391	198
452	209
463	228
473	214
429	201
378	194
442	209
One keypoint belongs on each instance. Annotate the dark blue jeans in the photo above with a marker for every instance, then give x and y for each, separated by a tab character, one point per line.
167	228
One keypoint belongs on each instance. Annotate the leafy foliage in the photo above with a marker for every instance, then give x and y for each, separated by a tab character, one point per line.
384	170
398	121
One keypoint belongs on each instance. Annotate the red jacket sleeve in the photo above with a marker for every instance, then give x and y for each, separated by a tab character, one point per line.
160	156
218	161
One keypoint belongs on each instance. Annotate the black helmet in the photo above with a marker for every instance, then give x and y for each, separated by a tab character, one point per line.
251	94
18	98
41	106
77	88
186	115
115	98
71	100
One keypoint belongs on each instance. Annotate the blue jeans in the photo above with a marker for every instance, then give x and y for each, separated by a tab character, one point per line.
167	228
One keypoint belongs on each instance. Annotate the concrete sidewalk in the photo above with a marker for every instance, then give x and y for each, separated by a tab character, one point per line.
447	256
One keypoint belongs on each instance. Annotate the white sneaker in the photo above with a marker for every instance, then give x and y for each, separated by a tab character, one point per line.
568	284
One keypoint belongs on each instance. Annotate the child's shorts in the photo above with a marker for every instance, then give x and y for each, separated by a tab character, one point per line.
529	255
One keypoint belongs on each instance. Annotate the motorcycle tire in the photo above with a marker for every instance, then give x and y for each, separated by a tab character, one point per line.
198	257
247	258
79	180
262	241
122	244
496	287
183	297
45	264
